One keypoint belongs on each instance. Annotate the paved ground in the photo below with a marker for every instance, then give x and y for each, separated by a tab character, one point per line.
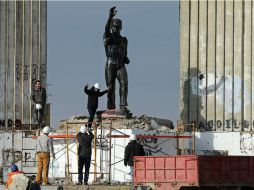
97	187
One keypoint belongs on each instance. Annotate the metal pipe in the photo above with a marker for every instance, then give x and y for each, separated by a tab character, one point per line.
101	152
110	131
95	150
150	136
67	152
120	136
194	139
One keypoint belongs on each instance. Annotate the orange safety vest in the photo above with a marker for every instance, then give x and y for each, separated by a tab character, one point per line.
10	177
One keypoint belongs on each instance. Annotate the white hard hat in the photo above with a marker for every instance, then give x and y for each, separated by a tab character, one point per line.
133	137
38	106
46	129
96	85
82	129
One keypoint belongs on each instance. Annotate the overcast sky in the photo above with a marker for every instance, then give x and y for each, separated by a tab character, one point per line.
76	56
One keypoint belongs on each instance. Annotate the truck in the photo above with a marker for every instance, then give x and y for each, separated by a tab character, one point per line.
194	172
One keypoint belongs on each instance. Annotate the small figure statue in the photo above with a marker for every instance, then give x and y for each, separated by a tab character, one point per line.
116	52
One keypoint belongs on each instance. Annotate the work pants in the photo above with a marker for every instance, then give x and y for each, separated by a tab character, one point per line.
81	162
92	112
43	164
38	115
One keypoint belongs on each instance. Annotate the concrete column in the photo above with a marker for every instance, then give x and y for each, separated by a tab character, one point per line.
211	66
202	60
247	72
220	47
193	115
3	45
184	68
23	57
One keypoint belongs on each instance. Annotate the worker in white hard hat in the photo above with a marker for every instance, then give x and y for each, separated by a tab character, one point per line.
44	149
85	138
132	149
38	99
92	102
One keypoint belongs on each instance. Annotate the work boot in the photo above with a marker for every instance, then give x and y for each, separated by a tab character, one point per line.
85	183
46	183
79	183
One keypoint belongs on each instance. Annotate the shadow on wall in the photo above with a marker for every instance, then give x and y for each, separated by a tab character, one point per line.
192	101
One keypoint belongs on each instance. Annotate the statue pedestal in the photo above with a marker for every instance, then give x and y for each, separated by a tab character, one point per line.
113	114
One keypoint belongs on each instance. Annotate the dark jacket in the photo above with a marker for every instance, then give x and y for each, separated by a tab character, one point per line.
131	150
85	144
93	97
38	96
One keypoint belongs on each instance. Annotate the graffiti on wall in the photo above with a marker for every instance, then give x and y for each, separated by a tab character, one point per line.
229	124
103	143
9	123
10	156
204	85
17	124
19	72
209	83
247	143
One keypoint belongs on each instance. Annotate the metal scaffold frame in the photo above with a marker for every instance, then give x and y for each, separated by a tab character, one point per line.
181	129
106	125
32	129
67	136
109	136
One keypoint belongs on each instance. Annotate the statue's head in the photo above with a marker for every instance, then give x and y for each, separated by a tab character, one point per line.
116	25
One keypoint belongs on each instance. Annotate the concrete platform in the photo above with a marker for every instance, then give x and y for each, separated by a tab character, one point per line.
97	187
83	187
51	187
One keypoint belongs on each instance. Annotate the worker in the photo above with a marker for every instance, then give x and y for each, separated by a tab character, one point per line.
132	149
92	103
17	180
44	148
85	138
38	99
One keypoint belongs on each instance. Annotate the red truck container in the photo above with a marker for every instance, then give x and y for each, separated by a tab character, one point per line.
204	172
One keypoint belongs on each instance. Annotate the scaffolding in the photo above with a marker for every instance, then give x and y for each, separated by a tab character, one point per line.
182	128
108	136
99	128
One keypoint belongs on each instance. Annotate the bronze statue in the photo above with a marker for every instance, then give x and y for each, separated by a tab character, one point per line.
116	52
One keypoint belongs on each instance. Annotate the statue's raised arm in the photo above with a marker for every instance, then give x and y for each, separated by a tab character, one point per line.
112	13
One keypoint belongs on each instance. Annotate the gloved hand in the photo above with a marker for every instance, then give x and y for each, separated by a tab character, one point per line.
38	106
